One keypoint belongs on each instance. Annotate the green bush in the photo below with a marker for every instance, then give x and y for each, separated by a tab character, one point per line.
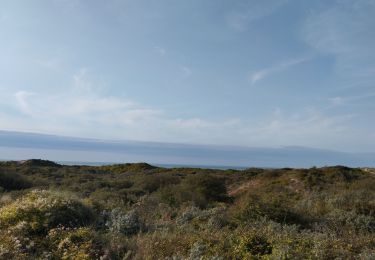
126	223
339	219
78	243
200	189
42	210
252	246
320	177
13	181
253	207
152	183
210	187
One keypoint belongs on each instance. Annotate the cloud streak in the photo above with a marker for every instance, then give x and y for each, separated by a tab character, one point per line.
347	100
258	75
22	101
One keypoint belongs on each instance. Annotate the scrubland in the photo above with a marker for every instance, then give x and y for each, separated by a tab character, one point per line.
138	211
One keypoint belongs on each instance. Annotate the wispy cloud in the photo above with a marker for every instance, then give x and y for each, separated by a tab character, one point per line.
82	109
186	71
110	117
81	82
159	50
245	13
309	127
258	75
23	102
345	30
80	101
50	64
336	101
346	100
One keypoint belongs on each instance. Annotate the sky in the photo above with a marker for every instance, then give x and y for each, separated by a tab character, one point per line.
265	73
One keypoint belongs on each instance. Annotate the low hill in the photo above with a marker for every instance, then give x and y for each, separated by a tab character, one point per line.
39	163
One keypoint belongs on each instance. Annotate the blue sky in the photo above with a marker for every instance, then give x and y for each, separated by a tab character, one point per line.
260	73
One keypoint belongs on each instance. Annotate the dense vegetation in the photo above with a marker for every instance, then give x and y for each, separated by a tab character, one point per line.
137	211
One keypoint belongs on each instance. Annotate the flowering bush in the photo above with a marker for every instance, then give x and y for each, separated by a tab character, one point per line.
126	223
42	210
253	245
74	243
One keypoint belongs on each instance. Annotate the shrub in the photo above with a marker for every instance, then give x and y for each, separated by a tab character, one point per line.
338	219
210	187
126	223
152	183
43	210
201	189
13	181
103	199
320	177
363	202
187	215
252	207
78	243
128	167
252	246
163	245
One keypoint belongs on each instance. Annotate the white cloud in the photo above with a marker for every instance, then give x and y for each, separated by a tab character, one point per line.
308	128
91	114
118	118
108	117
23	102
79	107
258	75
263	73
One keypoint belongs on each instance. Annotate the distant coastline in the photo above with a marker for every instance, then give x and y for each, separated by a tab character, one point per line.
214	167
19	146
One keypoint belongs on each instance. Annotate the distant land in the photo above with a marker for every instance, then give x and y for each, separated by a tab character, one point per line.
20	146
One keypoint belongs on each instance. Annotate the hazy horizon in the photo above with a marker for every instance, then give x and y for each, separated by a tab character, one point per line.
22	146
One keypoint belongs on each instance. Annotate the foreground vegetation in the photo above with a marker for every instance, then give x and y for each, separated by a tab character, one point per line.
137	211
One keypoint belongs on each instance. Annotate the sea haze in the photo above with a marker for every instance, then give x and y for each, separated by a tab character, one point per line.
19	146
